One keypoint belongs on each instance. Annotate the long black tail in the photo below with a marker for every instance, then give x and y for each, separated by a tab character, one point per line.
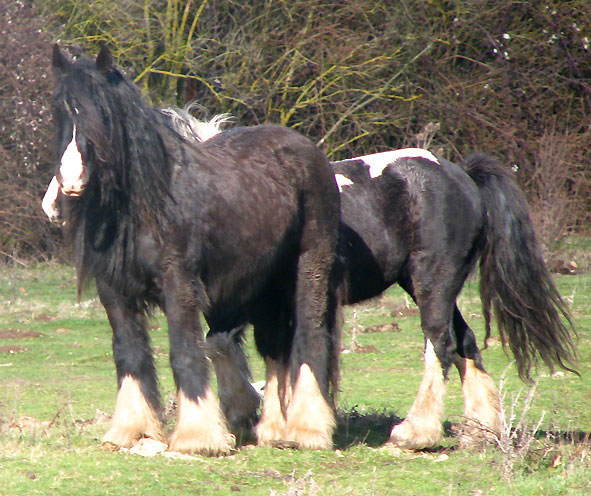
532	317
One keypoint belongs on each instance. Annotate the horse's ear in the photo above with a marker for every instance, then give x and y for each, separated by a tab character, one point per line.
104	60
59	60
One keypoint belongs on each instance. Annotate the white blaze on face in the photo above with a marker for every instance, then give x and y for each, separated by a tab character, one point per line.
72	169
49	203
342	181
379	161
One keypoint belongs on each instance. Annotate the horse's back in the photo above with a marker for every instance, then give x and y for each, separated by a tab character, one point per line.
272	186
442	199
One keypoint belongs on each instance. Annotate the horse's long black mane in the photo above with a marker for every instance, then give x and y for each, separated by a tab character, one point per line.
129	152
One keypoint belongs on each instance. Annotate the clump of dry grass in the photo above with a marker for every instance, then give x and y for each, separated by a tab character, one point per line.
305	485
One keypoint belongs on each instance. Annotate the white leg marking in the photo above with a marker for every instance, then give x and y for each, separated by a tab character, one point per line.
310	419
271	426
133	417
422	426
201	427
482	404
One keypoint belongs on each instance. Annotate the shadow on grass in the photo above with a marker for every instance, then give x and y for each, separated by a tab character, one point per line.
354	428
370	429
572	437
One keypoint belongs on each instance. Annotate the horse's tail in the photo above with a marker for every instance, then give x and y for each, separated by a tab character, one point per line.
532	317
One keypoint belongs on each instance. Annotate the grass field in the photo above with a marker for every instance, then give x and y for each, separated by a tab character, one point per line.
57	388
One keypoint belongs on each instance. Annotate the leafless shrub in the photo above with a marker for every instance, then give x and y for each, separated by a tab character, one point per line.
555	187
425	137
305	485
519	439
25	133
503	77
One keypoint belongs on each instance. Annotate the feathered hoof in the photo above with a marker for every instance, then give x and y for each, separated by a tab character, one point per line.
122	438
416	434
202	443
310	419
310	439
201	427
126	437
270	431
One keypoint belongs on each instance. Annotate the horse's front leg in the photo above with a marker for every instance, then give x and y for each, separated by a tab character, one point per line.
201	426
138	401
238	398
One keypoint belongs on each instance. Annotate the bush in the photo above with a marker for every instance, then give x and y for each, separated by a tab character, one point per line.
25	134
504	77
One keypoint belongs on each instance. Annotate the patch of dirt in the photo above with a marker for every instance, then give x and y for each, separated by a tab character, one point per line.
12	350
45	317
393	327
494	341
18	334
563	266
28	424
99	418
62	330
365	349
403	311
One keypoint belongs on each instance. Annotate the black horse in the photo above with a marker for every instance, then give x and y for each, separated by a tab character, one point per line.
190	227
424	223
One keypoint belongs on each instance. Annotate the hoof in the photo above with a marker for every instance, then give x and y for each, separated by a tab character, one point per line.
203	442
201	427
270	430
310	419
414	434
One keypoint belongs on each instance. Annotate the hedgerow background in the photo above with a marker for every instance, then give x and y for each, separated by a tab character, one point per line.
509	78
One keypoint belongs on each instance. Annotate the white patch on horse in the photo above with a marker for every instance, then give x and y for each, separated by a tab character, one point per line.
377	162
342	181
72	169
49	203
193	129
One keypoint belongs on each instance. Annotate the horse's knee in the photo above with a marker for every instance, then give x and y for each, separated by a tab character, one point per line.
443	345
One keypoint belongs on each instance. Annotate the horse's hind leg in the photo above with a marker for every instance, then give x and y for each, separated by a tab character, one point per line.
310	416
423	425
271	316
481	398
238	399
201	426
138	402
271	426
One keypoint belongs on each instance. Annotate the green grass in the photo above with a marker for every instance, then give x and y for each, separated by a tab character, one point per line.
56	372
